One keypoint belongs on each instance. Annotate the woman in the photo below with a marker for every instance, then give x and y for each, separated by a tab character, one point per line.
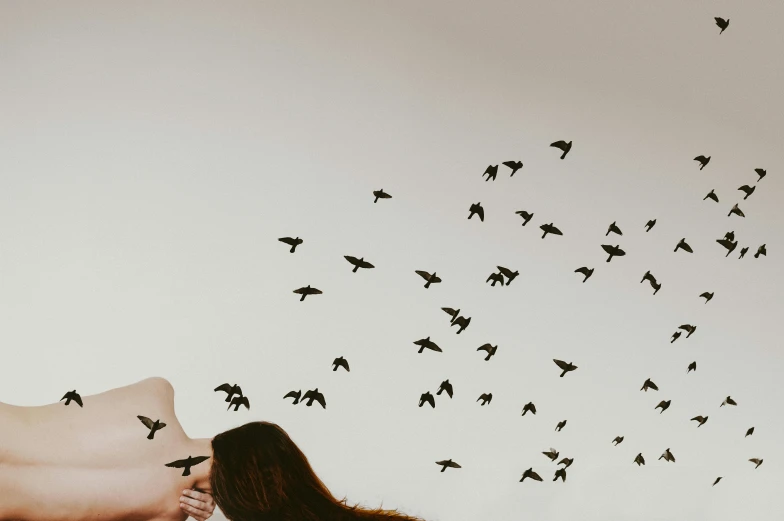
100	461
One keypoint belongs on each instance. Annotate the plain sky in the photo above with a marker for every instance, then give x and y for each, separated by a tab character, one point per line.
151	154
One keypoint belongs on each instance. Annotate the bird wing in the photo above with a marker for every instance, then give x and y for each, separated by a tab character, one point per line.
320	399
608	248
177	464
555	230
561	363
287	240
292	394
559	144
653	386
146	421
425	275
314	291
505	271
450	311
352	260
198	459
365	264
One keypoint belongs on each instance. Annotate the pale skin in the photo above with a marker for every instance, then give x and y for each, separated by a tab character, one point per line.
71	463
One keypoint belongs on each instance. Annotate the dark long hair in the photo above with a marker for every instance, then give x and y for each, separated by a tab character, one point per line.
259	474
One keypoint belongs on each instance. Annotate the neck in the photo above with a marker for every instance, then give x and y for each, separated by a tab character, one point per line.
200	474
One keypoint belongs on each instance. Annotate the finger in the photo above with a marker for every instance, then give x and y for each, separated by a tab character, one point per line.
195	512
200	496
198	505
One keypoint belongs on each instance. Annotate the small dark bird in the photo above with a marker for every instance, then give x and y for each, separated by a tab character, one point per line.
567	462
688	327
152	425
656	287
749	432
509	274
531	474
485	397
560	473
230	390
701	419
757	461
294	394
490	350
563	146
707	296
491	172
654	283
477	209
684	246
431	279
187	463
761	251
381	194
761	172
728	244
307	290
448	463
565	366
560	426
72	395
426	343
743	252
728	401
549	228
675	336
358	263
613	251
650	225
445	386
613	228
427	397
667	455
617	440
525	215
711	195
340	362
314	395
452	312
648	384
529	407
639	460
495	277
291	242
703	161
514	165
721	22
462	322
717	480
237	401
584	271
552	454
730	236
737	211
748	190
692	367
664	404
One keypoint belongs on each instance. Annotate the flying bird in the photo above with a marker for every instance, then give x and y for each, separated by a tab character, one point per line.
72	395
485	397
560	426
717	480
152	425
560	473
462	322
757	461
567	462
749	432
728	244
187	463
525	215
562	145
529	407
688	327
701	419
584	271
648	384
230	390
509	274
314	395
667	455
340	362
565	366
477	209
291	242
730	236
613	251
431	279
728	401
514	165
426	343
381	194
490	350
711	195
491	172
748	190
617	440
294	394
495	277
684	246
307	290
761	251
427	397
675	336
707	296
737	211
692	367
452	312
237	401
445	386
613	228
448	463
721	22
531	474
650	224
639	460
664	404
549	228
702	160
654	283
743	252
358	263
552	454
761	172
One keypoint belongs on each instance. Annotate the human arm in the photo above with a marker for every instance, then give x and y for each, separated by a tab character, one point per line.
198	505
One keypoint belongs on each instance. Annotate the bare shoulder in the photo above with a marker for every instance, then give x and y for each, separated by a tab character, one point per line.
160	383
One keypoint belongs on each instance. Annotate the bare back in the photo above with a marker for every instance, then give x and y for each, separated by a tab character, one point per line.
63	463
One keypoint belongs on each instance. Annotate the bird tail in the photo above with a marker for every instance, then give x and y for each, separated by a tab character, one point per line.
355	269
152	433
562	374
427	284
375	200
564	154
609	258
302	298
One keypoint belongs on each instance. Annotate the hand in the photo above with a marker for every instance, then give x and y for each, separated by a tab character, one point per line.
198	505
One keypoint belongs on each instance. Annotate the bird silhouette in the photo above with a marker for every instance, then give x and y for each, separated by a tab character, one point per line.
509	274
761	251
700	419
667	455
431	279
514	165
563	146
187	463
711	195
549	228
294	394
452	312
312	395
617	440
489	348
525	215
567	462
427	397
654	283
560	425
749	432
529	407
560	473
717	480
307	290
485	397
684	246
614	229
552	454
761	172
462	322
585	271
495	277
613	251
728	244
721	22
648	384
730	236
650	224
477	209
426	343
743	252
748	190
448	463
757	461
358	263
639	460
737	211
491	172
237	401
531	474
445	386
340	362
692	367
707	296
688	327
675	336
152	425
565	366
291	242
230	390
728	401
664	404
72	395
702	160
381	194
